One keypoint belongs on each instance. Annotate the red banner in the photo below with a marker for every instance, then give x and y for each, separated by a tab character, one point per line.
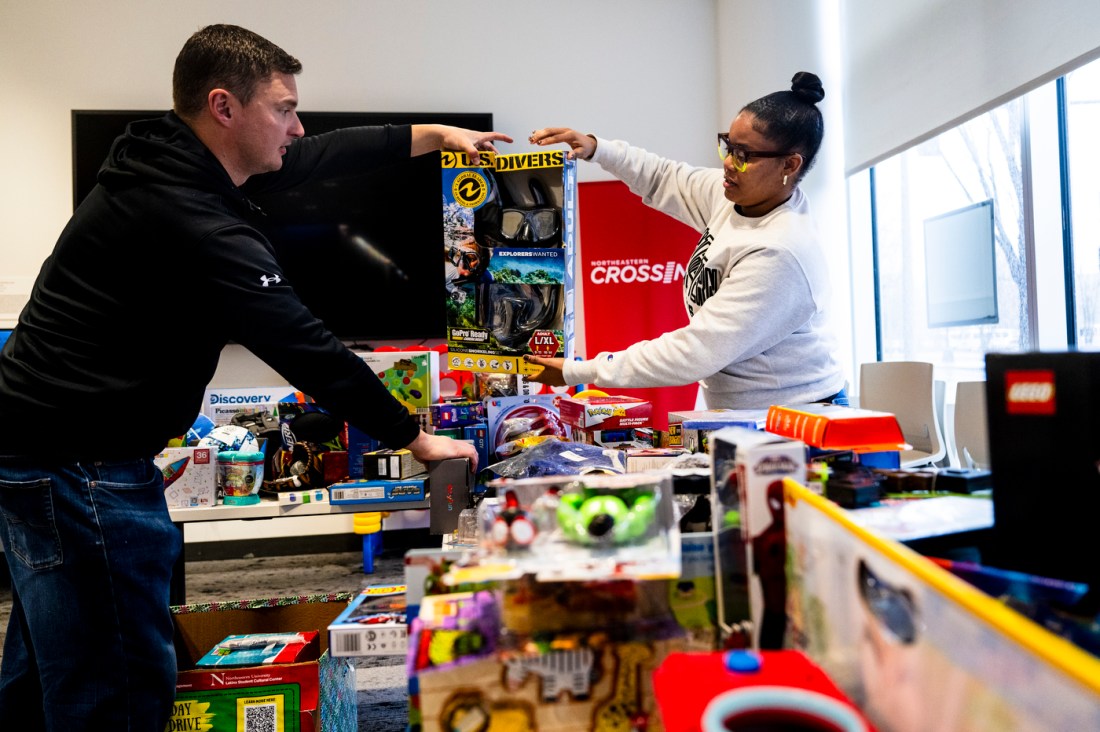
632	261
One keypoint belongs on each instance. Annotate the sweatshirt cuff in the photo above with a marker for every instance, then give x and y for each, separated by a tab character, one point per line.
579	372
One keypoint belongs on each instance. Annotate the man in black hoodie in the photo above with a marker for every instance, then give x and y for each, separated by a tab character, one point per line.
89	391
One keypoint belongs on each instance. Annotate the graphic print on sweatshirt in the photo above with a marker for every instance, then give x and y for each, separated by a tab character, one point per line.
701	281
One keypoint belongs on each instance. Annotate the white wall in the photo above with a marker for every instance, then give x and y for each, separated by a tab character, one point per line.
914	68
642	70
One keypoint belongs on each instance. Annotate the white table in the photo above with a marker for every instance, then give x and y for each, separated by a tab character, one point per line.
267	508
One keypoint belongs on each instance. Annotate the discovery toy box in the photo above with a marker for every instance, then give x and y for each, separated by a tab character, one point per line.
508	246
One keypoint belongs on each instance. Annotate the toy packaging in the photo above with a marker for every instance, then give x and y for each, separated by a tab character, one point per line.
451	483
605	412
190	476
835	427
748	523
378	491
374	624
221	405
256	649
580	527
391	465
315	692
511	419
689	429
508	246
411	377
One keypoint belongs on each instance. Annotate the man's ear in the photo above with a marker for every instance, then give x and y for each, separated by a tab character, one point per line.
219	102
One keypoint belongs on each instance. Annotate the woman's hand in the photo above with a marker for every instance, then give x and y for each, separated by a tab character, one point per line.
551	373
581	146
427	448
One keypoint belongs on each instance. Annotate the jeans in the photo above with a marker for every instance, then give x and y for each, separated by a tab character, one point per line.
90	645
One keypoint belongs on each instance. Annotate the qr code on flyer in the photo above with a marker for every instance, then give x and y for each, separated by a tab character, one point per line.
261	717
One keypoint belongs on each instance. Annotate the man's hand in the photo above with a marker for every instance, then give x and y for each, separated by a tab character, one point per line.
426	138
427	448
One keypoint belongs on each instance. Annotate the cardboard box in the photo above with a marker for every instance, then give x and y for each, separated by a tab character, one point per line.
316	694
508	225
378	491
374	624
750	544
606	413
221	405
457	414
359	442
833	427
391	465
451	482
478	434
708	420
412	377
190	476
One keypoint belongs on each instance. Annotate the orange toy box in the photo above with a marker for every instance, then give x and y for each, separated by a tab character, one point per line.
833	427
605	412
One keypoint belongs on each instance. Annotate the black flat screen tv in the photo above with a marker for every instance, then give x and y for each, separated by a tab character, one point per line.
364	253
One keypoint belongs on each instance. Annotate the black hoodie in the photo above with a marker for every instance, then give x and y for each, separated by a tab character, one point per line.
156	271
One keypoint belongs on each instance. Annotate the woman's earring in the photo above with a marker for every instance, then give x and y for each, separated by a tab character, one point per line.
784	179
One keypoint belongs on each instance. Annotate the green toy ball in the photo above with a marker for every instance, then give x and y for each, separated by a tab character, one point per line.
605	518
601	515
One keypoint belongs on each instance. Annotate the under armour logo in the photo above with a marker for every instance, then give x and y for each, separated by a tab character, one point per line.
272	280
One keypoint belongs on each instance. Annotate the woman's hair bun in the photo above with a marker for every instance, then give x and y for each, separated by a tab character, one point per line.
807	87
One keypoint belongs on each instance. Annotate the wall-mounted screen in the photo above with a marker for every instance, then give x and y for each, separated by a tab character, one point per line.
960	267
364	253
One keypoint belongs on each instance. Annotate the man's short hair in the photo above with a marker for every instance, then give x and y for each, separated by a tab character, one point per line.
225	57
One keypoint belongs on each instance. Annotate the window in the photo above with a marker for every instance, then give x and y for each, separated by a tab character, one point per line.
1008	158
978	161
1083	158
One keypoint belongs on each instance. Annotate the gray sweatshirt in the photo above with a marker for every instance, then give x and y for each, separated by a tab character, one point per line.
756	292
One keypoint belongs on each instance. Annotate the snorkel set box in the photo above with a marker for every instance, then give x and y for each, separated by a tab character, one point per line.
508	241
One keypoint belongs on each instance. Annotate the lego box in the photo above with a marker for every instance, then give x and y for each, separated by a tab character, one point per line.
190	476
509	228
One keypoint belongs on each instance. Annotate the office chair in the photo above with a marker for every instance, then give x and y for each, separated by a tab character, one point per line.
971	427
907	390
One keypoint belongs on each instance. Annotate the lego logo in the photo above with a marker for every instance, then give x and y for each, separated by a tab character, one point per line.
1029	392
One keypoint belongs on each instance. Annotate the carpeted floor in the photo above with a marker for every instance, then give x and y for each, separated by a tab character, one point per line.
383	697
